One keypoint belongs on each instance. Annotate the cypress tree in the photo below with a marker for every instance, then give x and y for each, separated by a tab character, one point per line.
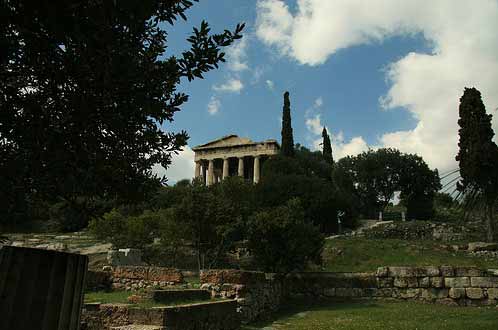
327	147
478	154
287	147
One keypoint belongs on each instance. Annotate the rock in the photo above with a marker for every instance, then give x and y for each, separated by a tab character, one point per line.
468	271
493	293
134	299
382	272
437	282
424	282
484	282
474	293
456	282
447	271
482	246
107	269
457	293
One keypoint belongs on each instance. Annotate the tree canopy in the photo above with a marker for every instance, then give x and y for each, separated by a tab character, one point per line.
327	147
84	90
287	147
375	176
477	155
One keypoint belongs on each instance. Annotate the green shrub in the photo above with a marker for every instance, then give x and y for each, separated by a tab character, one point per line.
282	241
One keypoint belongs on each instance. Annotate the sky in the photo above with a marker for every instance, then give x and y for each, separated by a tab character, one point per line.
376	73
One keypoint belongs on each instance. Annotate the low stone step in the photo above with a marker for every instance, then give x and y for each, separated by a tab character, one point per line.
168	296
138	327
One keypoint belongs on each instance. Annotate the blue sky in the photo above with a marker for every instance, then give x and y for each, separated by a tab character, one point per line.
374	78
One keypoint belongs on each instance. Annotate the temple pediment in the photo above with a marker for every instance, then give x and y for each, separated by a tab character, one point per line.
226	141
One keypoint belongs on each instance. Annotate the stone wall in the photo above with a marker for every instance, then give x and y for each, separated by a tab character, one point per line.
448	285
218	315
140	277
257	294
423	230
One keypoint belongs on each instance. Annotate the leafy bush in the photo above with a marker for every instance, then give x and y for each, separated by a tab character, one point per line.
282	241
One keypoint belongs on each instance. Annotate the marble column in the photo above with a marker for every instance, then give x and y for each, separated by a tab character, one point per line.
256	169
241	167
203	173
210	174
225	168
197	169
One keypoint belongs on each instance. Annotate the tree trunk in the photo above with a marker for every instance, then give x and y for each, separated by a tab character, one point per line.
489	222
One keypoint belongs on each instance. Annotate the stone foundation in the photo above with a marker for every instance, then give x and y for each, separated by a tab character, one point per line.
219	315
258	295
142	277
463	286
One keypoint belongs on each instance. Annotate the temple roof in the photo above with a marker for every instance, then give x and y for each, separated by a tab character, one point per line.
231	140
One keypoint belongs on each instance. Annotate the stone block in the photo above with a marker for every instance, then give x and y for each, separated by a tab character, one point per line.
431	294
457	293
382	272
329	292
492	293
161	274
410	293
234	276
484	282
437	282
370	292
130	272
447	271
432	271
468	271
475	293
456	282
405	282
424	282
482	246
385	282
344	292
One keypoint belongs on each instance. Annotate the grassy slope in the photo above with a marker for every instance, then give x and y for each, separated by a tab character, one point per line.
384	316
358	255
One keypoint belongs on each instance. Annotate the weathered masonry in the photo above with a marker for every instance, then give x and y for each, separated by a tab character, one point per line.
231	156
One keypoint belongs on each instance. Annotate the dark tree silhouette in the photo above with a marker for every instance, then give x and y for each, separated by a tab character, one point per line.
327	147
84	89
477	156
287	147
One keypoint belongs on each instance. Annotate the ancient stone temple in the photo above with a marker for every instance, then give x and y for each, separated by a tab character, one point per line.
230	156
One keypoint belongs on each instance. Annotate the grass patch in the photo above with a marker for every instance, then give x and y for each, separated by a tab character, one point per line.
360	255
383	316
121	297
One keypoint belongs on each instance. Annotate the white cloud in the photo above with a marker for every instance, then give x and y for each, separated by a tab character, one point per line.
270	84
232	86
340	148
464	45
314	125
318	102
182	167
237	56
214	105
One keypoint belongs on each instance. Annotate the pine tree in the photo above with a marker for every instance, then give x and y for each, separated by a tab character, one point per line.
478	154
287	147
327	147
